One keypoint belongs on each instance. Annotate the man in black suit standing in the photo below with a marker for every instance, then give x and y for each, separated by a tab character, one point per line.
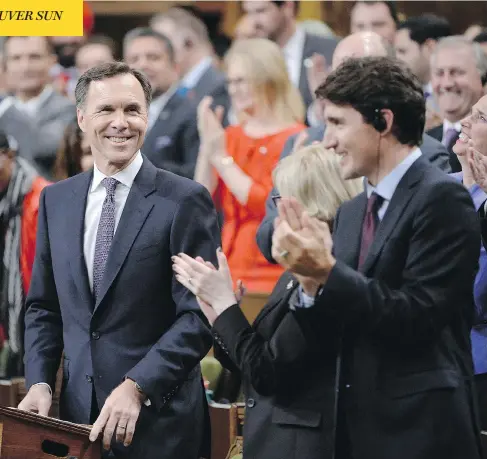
102	288
359	44
397	277
458	73
172	141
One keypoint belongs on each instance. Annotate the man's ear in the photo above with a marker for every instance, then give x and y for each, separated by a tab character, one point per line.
80	115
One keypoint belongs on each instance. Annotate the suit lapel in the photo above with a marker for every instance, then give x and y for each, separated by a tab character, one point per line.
397	206
282	291
135	212
74	236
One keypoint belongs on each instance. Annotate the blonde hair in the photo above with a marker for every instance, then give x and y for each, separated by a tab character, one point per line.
268	74
312	175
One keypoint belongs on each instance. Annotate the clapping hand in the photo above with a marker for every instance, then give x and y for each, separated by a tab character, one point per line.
210	129
213	287
302	244
478	165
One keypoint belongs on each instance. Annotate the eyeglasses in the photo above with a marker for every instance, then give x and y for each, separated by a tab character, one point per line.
276	198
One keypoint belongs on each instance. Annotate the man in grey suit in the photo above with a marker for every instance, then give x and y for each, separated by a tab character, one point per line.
28	61
360	44
172	141
19	127
276	20
194	54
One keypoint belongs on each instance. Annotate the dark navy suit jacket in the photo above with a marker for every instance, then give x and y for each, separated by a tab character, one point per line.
144	325
478	334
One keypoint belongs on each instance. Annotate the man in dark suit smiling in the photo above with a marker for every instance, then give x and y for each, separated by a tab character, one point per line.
397	277
102	288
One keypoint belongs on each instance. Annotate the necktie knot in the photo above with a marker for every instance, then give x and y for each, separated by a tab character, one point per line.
374	203
110	185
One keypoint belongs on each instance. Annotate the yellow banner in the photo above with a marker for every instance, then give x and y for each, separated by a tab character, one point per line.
49	18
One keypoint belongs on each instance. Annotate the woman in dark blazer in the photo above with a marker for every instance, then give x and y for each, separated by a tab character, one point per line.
288	381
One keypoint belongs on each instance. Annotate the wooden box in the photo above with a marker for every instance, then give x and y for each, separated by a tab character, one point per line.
25	435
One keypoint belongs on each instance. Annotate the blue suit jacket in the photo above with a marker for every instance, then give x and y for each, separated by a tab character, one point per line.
144	325
479	330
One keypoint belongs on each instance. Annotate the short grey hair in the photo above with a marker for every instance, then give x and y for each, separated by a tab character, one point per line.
458	41
105	71
142	32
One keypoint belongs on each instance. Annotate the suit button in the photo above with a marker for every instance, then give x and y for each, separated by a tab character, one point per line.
250	403
95	335
89	378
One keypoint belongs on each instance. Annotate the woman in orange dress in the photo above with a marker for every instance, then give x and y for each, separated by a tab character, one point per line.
235	164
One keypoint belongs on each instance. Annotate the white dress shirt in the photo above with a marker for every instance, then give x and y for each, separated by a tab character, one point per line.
31	106
293	55
94	205
387	186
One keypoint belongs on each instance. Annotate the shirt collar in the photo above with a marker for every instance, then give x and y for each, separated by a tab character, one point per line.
126	176
387	186
295	44
158	104
192	78
448	125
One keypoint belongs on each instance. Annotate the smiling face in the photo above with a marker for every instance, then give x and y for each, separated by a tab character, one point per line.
456	81
474	127
114	121
354	141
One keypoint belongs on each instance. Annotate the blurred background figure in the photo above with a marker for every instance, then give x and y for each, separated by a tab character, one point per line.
194	56
458	75
171	141
245	28
28	61
277	21
96	50
473	30
20	190
416	38
378	17
74	155
236	164
64	73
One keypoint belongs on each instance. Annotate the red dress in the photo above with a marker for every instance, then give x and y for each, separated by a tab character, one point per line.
257	157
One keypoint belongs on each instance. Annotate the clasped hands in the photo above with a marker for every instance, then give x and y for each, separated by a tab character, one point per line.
302	245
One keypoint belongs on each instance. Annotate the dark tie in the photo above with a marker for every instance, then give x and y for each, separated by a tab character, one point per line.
369	226
104	234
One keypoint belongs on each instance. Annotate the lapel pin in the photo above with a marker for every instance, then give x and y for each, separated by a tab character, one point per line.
289	286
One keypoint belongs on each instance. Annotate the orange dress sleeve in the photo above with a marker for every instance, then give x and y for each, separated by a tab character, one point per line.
256	157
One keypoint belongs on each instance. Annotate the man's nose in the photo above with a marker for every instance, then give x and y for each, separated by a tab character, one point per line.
119	120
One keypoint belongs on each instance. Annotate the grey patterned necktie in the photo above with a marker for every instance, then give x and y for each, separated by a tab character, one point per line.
104	234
